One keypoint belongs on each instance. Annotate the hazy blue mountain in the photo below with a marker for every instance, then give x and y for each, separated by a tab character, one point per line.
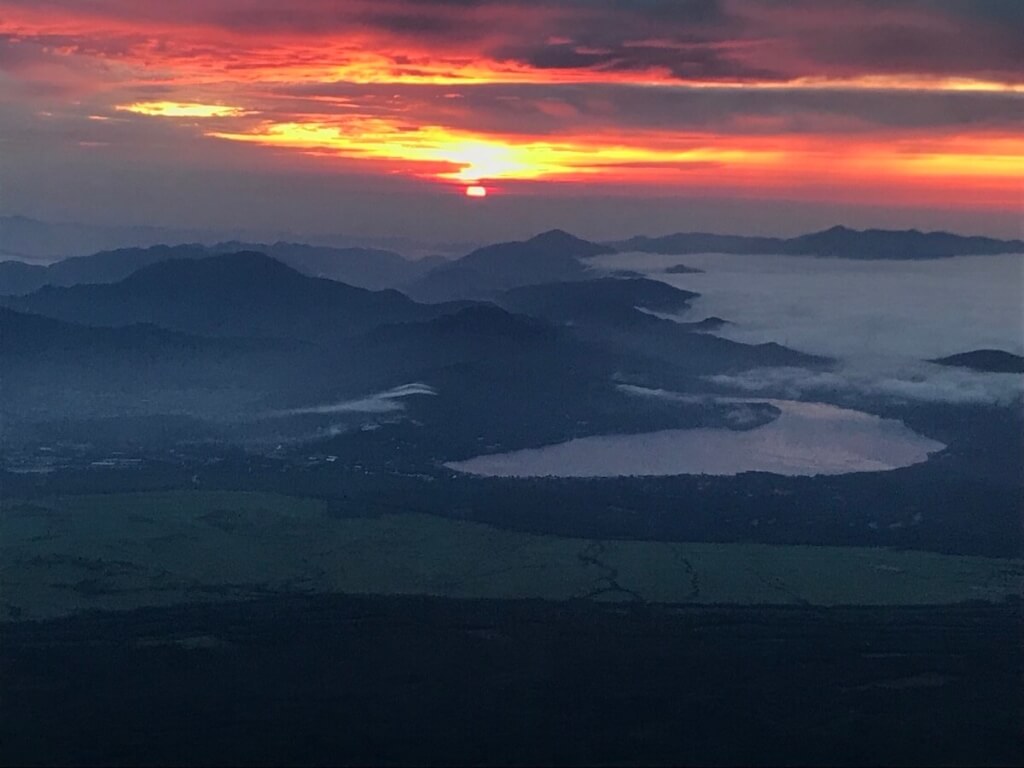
987	360
841	242
362	267
551	256
44	241
600	301
28	335
59	370
238	294
35	240
472	333
371	268
260	353
607	312
510	381
515	378
698	352
836	242
18	278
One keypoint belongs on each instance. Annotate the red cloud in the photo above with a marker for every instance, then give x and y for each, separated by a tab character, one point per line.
752	93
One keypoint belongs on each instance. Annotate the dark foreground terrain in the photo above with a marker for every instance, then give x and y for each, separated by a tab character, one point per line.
393	680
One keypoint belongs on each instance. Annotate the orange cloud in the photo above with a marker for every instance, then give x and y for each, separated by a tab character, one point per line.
180	109
985	169
261	73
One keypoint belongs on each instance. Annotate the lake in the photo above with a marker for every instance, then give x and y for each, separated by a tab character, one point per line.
806	439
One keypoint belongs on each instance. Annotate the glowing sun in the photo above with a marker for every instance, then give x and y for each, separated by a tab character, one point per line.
476	190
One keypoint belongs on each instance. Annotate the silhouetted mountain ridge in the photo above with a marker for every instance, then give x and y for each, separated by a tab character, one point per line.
363	267
547	257
102	267
835	242
601	300
986	360
607	313
235	294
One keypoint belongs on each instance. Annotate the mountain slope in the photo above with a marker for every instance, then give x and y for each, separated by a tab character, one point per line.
54	370
17	278
362	267
238	294
550	256
370	268
608	312
986	360
604	301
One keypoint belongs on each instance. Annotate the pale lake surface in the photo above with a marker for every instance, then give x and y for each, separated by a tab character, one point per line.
806	439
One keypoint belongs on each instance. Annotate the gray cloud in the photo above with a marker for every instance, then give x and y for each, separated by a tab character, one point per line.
930	383
379	402
712	39
559	109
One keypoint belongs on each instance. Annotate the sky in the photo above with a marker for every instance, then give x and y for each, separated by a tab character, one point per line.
605	117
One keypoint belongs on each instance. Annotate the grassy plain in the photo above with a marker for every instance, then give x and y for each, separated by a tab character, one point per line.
63	555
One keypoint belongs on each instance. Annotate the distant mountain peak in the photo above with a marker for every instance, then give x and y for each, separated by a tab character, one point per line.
555	236
561	240
987	360
236	265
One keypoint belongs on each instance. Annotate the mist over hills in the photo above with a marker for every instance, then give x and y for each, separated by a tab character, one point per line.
235	337
17	278
56	371
286	380
26	238
534	310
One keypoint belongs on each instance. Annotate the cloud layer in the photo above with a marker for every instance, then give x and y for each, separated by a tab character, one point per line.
881	320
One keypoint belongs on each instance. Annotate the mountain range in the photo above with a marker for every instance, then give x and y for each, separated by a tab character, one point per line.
234	294
484	272
234	337
836	242
29	239
362	267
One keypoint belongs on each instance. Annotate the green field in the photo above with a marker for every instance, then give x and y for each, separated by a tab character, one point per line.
67	554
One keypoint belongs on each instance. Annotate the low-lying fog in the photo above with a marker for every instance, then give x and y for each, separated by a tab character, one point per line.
806	439
881	319
378	402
